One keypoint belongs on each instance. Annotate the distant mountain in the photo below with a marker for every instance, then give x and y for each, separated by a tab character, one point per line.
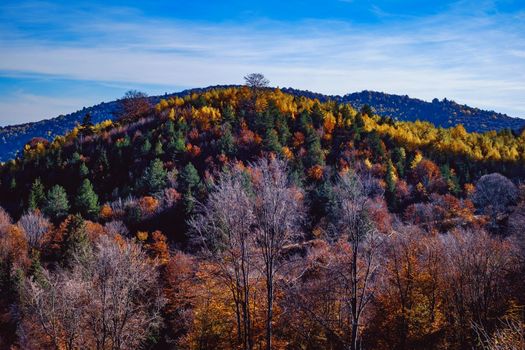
443	113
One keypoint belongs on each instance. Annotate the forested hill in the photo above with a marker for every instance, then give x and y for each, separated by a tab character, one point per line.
443	113
164	220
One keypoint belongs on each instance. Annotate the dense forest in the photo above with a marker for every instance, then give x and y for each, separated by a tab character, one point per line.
445	113
252	218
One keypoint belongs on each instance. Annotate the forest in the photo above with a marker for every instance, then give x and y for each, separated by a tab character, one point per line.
251	218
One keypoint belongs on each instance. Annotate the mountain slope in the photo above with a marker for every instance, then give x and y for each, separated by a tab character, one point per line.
443	113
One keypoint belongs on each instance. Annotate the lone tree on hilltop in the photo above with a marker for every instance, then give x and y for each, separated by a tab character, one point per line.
256	81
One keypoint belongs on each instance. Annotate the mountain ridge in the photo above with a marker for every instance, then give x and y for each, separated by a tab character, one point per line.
444	113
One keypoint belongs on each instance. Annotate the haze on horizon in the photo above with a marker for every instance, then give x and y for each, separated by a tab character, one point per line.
58	56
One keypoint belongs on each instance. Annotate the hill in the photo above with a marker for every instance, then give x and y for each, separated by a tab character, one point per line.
444	113
236	215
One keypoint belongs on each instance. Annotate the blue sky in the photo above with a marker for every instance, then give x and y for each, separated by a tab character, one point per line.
58	56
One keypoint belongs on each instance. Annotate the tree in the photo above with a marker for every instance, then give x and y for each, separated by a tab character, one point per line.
37	196
278	212
224	229
55	307
227	141
134	104
34	224
110	301
75	246
352	221
256	81
155	177
189	178
495	192
56	204
476	287
87	200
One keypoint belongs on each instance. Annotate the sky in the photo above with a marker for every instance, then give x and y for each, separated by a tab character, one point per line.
59	56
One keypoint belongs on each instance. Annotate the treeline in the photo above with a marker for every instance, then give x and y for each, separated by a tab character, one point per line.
250	218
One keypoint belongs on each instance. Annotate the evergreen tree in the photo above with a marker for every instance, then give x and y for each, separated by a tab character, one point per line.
317	116
390	180
56	205
35	269
189	178
227	143
37	196
76	244
177	145
158	151
146	148
83	170
87	200
155	177
315	152
271	141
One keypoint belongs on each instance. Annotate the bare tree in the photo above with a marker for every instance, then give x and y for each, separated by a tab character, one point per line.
493	195
477	265
353	222
34	224
278	212
224	229
111	301
124	300
256	81
133	104
56	305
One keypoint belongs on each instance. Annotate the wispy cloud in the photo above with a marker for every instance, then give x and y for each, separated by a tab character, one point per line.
474	59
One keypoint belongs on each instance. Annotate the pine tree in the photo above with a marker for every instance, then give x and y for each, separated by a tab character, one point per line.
227	143
56	205
87	200
271	141
76	244
155	177
35	269
189	178
37	196
158	151
83	170
315	152
390	180
146	148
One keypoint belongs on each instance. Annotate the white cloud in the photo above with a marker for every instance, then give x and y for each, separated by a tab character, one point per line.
476	60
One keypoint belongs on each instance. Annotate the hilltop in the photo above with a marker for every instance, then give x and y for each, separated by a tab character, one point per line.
443	113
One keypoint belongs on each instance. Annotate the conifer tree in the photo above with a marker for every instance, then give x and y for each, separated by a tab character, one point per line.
155	177
56	205
37	196
76	242
87	200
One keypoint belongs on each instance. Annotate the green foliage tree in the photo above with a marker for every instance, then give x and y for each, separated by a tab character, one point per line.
158	151
315	152
56	205
76	244
271	141
83	170
227	141
37	195
146	148
155	177
87	200
189	178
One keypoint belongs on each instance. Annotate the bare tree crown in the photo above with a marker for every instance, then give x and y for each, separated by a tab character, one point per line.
256	80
